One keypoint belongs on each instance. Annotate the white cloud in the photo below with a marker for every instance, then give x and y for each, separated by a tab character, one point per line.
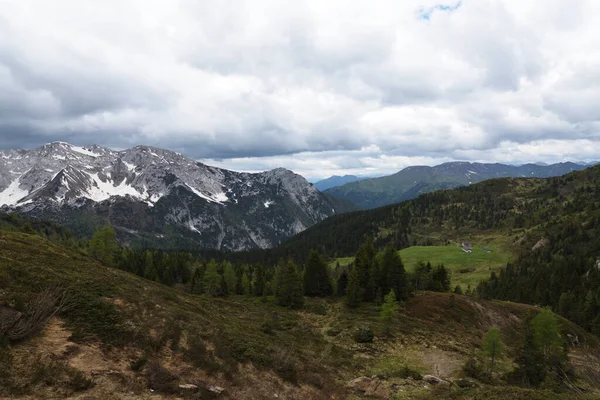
343	86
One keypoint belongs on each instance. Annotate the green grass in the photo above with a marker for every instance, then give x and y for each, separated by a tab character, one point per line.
344	261
467	269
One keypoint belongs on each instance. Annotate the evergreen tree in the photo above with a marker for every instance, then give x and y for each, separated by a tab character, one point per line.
230	277
289	286
388	312
543	351
104	247
316	276
259	280
211	281
530	370
196	281
342	284
354	291
392	275
150	270
364	268
246	284
546	335
440	277
493	346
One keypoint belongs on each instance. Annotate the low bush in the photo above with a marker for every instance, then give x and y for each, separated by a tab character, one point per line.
364	335
161	379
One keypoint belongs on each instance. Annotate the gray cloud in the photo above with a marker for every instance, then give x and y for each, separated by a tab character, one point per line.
339	86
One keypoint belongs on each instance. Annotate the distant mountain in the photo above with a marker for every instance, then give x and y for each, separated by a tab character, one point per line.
334	181
413	181
157	197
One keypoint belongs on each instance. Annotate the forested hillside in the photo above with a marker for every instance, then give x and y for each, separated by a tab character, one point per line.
416	180
552	226
518	208
73	325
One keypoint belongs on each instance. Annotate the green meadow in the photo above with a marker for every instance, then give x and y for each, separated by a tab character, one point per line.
467	268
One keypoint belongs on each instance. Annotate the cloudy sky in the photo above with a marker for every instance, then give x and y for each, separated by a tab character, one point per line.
320	87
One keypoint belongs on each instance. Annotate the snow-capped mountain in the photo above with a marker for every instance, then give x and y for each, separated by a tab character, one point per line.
159	196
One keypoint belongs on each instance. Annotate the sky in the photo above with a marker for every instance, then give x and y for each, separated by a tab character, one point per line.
319	87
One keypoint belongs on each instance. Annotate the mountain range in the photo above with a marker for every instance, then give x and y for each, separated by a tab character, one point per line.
335	180
413	181
159	197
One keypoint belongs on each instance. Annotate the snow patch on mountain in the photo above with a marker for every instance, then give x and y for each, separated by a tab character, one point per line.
12	194
103	190
84	151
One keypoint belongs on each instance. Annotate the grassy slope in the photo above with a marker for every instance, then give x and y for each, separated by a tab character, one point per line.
114	317
467	269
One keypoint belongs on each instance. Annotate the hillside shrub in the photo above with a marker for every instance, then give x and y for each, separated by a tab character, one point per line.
364	335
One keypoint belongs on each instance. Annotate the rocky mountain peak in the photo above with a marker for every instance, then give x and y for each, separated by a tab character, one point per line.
164	190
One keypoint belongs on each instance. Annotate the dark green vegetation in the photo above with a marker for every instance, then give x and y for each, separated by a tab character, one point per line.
414	181
467	269
550	225
153	336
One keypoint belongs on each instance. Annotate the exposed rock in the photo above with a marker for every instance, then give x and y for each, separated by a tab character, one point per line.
434	380
188	387
8	318
215	389
370	387
541	243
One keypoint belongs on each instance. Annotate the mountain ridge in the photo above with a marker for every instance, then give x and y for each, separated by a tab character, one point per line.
336	180
150	194
415	180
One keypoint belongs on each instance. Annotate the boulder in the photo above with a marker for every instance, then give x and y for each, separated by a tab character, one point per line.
188	387
215	389
434	380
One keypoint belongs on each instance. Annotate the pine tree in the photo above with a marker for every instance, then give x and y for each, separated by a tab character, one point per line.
150	270
230	277
289	286
364	267
354	291
392	275
342	284
104	247
388	312
246	284
259	280
546	334
441	279
211	281
196	281
316	276
493	346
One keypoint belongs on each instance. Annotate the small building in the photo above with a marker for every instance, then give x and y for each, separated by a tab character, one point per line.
466	244
487	250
